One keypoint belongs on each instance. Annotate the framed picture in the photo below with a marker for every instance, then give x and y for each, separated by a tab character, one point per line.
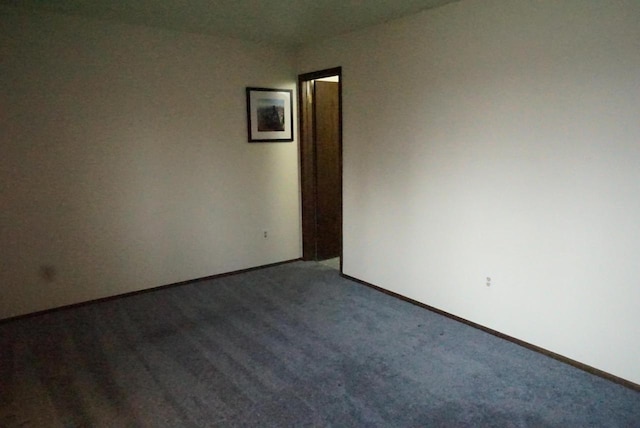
269	115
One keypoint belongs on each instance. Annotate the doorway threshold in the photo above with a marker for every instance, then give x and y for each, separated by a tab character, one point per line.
332	263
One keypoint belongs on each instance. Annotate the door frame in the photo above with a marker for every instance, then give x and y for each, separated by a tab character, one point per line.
308	164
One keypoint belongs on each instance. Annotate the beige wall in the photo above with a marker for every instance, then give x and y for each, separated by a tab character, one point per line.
500	138
124	160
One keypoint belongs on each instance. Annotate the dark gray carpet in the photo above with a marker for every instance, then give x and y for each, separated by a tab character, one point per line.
290	345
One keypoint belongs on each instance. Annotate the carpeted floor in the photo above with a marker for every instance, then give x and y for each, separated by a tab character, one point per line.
290	345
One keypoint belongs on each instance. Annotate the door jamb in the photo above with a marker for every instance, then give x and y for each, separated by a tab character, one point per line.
308	165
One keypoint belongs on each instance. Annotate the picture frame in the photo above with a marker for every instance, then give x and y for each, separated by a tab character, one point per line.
269	115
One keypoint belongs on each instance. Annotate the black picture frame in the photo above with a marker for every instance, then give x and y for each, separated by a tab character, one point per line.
269	115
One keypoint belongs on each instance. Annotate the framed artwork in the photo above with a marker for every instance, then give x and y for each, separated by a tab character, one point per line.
269	115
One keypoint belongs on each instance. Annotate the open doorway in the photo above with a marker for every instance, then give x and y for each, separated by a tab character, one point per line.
320	101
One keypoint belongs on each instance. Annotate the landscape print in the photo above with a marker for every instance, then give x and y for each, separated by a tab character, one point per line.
270	115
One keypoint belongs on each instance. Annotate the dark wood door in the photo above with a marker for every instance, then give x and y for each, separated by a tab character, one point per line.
328	175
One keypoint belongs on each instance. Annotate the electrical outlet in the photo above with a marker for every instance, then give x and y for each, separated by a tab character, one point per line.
488	282
265	234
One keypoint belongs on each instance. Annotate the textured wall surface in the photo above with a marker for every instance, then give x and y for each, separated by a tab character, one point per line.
499	139
125	163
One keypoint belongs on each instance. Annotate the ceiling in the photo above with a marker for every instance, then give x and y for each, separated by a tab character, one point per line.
286	23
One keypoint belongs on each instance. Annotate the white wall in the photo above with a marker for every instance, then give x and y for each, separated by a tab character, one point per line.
124	160
500	138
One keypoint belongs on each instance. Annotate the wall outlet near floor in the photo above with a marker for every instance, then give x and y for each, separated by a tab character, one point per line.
488	281
265	234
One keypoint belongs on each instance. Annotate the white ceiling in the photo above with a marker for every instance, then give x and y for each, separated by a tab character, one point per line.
282	22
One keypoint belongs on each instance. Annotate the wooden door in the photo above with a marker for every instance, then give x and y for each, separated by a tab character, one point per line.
328	170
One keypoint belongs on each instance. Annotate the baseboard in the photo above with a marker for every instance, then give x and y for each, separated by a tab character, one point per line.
146	290
592	370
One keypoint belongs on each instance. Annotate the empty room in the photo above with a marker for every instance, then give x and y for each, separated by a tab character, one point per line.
154	266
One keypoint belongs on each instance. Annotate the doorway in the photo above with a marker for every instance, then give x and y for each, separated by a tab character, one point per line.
320	101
